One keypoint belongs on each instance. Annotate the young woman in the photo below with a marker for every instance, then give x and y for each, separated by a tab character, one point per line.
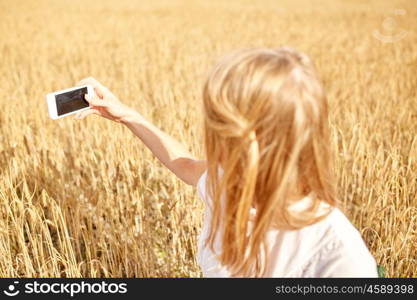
267	182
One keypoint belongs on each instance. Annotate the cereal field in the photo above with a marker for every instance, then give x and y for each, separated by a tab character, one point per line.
87	199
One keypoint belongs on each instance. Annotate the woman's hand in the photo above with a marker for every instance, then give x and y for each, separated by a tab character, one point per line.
168	150
102	103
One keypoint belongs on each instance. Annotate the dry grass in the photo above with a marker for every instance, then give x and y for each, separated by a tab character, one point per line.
88	199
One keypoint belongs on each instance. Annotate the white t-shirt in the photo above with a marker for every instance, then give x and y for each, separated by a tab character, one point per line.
331	247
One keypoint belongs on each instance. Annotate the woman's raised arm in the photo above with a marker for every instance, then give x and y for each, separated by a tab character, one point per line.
167	149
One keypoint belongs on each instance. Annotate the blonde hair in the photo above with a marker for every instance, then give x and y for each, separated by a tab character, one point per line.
266	129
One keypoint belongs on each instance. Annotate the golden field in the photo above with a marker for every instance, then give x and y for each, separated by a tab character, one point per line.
87	199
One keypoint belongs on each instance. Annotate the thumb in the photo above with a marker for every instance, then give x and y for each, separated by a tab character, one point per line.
94	100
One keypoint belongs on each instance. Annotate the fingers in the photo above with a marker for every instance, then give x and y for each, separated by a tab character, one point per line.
93	100
98	87
82	114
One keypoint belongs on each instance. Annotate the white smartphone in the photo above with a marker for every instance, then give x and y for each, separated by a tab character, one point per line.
69	101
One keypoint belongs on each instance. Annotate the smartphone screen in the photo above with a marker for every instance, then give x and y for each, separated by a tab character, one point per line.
71	101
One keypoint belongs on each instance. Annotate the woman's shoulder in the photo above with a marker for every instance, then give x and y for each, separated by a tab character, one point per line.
339	250
336	229
344	231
